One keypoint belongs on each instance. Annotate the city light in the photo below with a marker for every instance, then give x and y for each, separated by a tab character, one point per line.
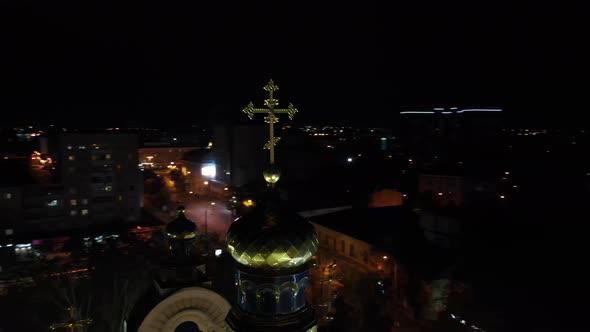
218	252
205	182
480	110
248	203
208	171
349	159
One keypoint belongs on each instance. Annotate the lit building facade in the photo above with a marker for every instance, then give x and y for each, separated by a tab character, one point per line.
95	180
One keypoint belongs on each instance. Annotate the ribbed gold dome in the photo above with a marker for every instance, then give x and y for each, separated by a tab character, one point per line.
272	237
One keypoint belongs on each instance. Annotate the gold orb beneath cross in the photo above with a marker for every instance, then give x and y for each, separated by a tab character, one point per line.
272	175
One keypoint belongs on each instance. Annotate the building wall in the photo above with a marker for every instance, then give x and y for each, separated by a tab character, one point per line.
98	182
441	231
10	203
352	249
402	295
385	197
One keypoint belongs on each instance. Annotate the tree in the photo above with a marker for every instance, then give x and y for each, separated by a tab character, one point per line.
119	280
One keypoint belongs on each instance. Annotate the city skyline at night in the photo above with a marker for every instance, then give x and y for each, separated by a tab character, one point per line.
423	166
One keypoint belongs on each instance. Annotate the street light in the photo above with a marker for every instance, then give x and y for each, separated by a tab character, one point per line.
330	279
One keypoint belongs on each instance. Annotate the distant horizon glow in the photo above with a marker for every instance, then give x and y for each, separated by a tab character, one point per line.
453	108
480	110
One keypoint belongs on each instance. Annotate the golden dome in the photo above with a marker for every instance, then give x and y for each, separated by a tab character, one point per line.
272	175
273	237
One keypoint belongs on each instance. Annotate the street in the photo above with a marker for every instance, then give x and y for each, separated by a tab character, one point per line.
214	219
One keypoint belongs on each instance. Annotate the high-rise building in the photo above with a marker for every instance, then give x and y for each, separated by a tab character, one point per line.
237	154
92	179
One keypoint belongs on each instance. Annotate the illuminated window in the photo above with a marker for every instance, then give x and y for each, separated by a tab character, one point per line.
85	201
120	197
71	158
73	213
69	147
85	212
81	147
209	171
52	202
7	195
107	156
73	202
108	188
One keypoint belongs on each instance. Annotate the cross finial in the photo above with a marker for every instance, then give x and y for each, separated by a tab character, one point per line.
271	118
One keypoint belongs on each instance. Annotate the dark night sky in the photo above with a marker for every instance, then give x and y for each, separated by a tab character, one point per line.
66	60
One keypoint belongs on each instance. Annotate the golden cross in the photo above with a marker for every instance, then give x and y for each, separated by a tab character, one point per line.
72	324
271	118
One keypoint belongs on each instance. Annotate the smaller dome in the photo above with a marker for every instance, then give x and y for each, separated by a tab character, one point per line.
181	227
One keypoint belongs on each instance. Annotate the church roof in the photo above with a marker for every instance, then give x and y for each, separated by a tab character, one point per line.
272	236
181	227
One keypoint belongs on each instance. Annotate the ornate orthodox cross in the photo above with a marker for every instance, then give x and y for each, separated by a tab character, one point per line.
271	118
